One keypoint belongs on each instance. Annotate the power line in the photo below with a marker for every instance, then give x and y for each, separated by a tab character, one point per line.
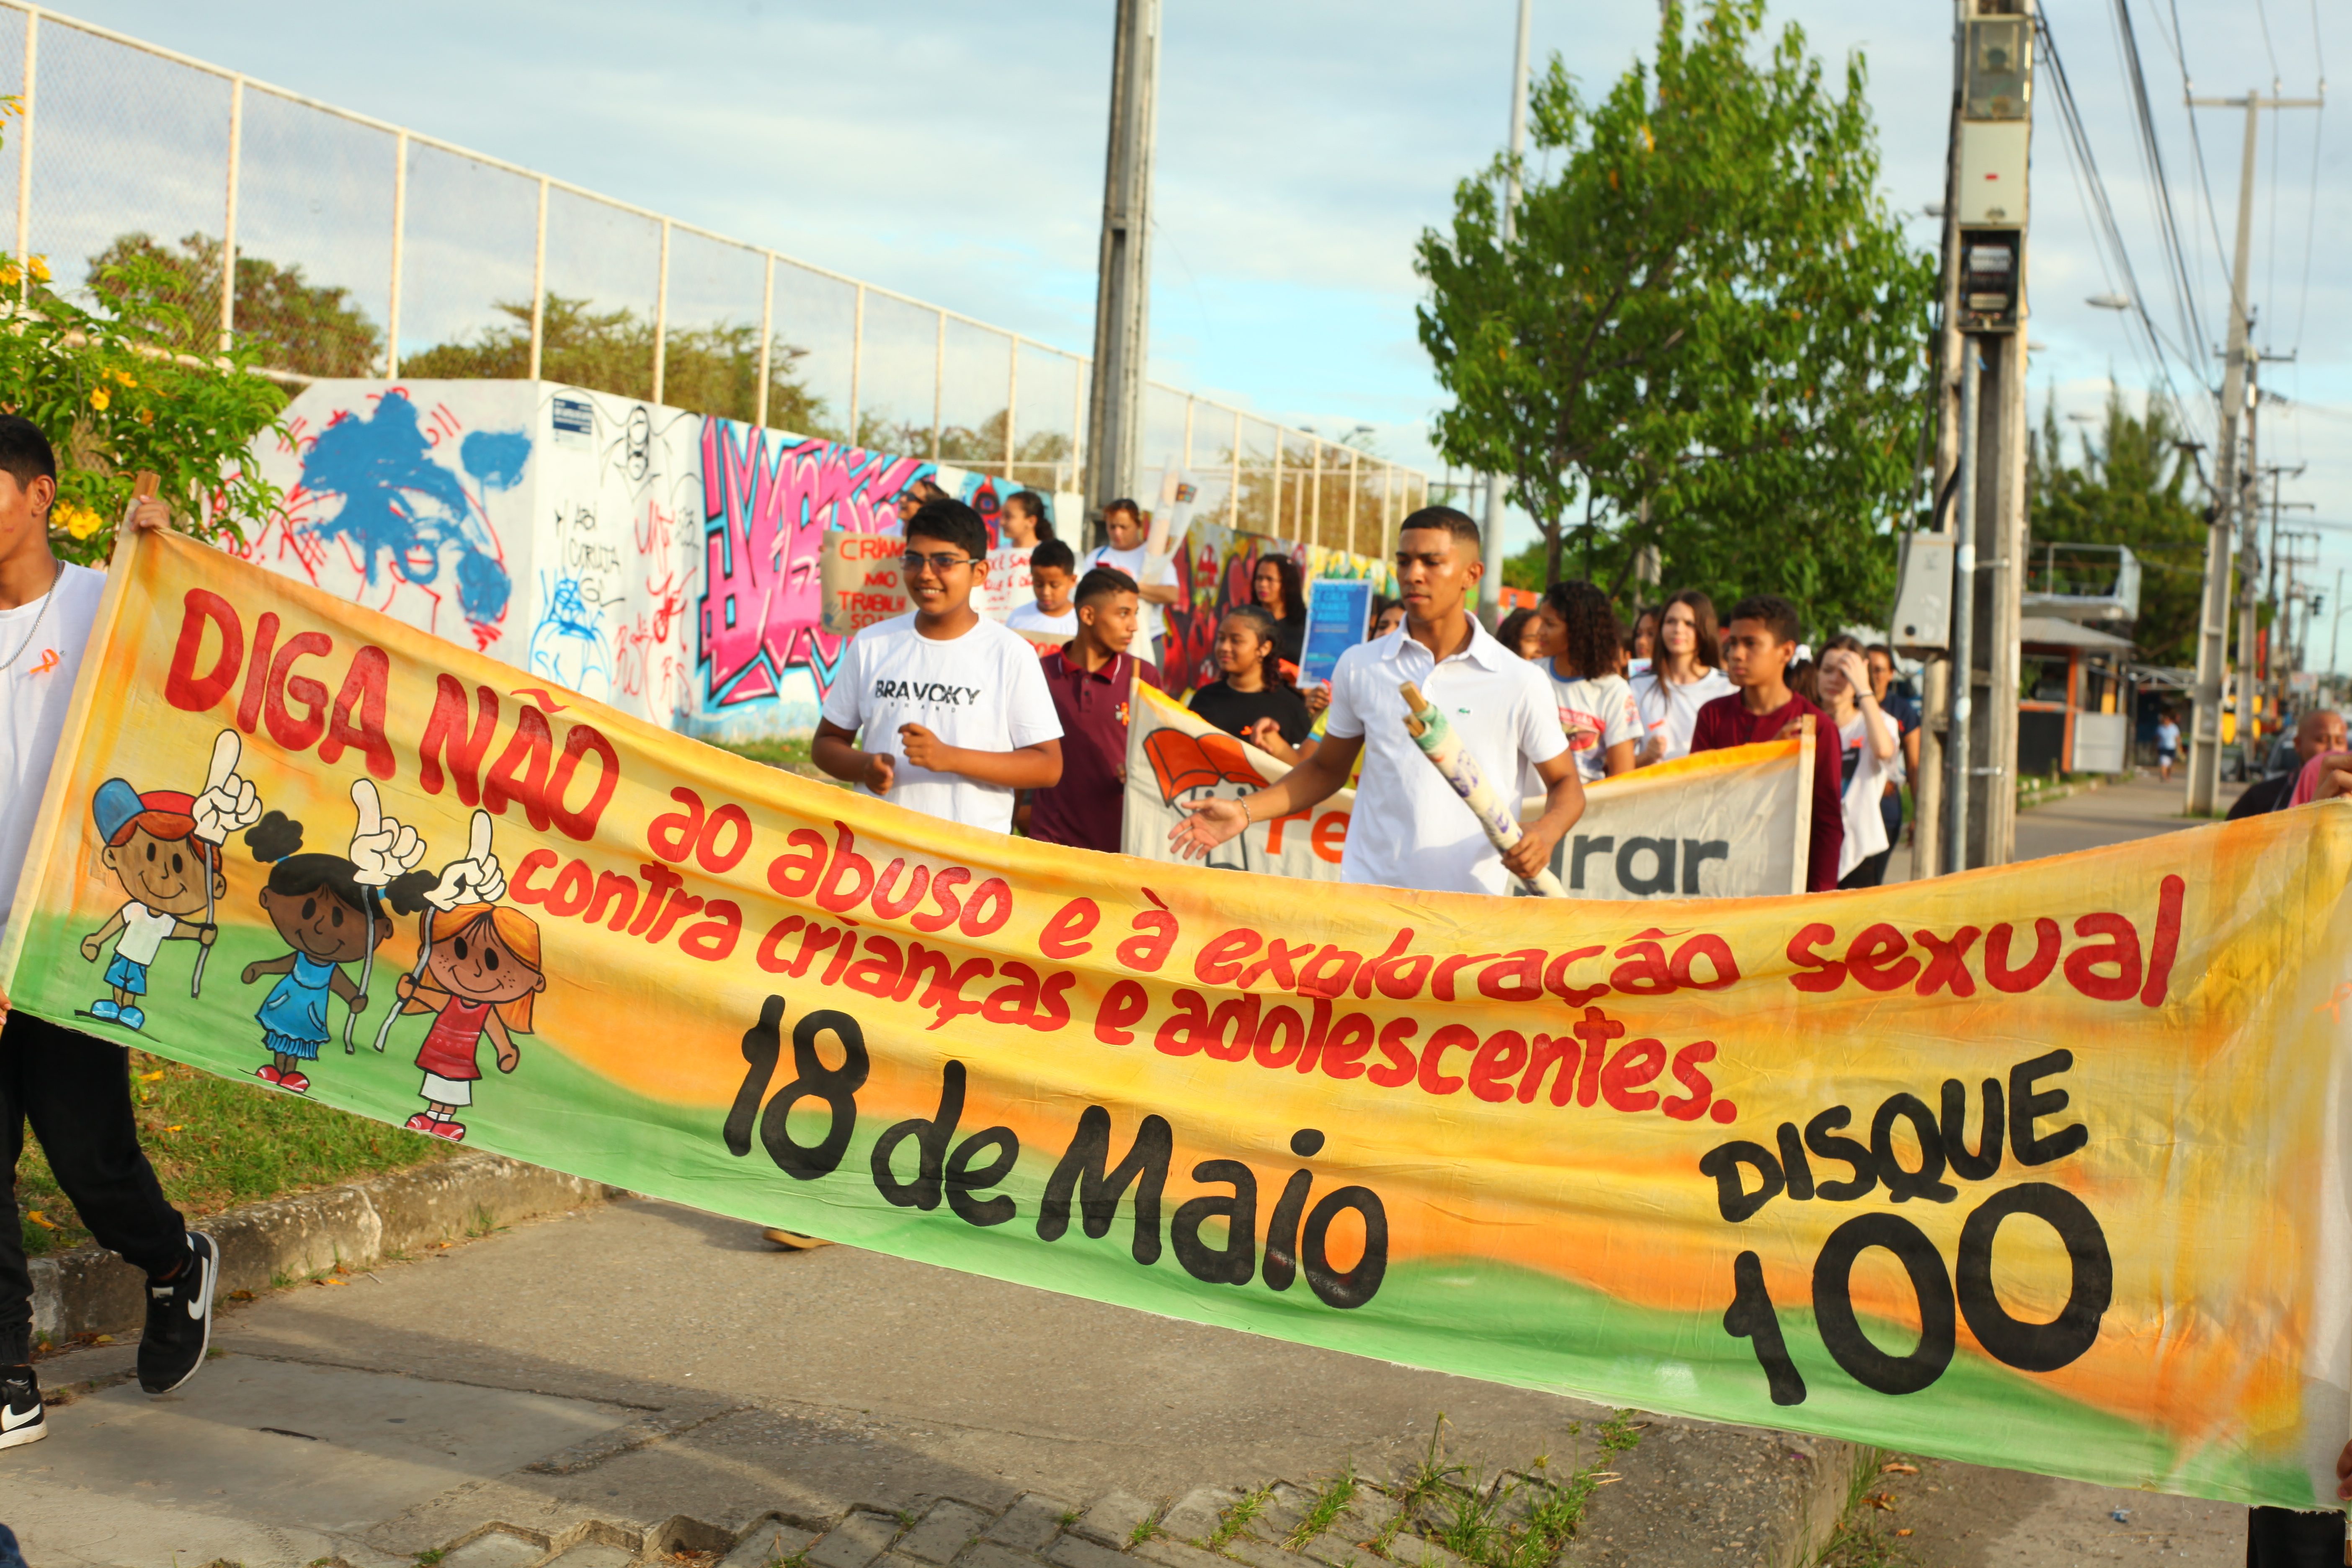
2108	239
2196	145
2151	153
2311	210
2261	11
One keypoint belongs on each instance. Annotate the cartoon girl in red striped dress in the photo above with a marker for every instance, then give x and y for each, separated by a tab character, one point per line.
481	971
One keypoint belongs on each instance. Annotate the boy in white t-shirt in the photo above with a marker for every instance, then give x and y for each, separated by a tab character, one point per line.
75	1090
1155	578
942	711
1052	579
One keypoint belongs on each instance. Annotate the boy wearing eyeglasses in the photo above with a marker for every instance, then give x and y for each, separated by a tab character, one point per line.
942	711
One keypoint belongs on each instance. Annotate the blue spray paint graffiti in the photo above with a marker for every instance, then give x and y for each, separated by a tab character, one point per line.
569	646
410	513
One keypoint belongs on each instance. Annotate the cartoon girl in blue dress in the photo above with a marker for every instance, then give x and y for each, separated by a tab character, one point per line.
325	915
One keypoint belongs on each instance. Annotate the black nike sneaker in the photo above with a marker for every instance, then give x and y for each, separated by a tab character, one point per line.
21	1418
179	1320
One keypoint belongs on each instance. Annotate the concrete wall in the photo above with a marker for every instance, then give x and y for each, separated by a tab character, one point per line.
653	559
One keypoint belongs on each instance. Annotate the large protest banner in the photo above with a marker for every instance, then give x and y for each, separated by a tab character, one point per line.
1729	824
2040	1166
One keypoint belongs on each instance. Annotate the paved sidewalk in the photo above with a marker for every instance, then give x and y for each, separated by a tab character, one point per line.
641	1376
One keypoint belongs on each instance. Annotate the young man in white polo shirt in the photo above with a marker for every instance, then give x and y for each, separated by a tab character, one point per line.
1410	829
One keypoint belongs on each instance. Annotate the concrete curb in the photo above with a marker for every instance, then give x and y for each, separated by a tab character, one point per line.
90	1290
1795	1494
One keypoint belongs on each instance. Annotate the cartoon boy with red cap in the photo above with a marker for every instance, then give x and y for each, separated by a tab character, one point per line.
164	847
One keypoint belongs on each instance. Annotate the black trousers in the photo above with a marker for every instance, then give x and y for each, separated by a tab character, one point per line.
76	1092
2287	1538
1869	872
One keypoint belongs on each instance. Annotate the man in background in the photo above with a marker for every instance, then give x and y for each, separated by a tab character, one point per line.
1092	678
1758	644
2317	731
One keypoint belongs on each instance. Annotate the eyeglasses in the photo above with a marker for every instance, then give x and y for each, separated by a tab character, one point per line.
911	563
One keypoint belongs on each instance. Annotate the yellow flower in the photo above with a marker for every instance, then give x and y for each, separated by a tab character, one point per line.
146	416
99	400
80	522
40	269
37	1217
11	275
124	377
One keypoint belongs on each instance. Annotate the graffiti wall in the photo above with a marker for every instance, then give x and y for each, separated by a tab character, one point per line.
653	559
546	526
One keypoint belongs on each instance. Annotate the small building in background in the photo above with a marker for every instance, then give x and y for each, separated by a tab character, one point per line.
2075	700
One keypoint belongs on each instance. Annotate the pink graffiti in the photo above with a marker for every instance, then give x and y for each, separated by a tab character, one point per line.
766	507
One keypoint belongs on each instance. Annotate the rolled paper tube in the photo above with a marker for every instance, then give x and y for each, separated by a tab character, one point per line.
1425	722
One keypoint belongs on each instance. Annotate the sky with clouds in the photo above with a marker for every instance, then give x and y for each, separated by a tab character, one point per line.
956	153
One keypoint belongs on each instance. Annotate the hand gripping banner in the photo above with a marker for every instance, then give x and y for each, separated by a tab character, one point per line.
2039	1166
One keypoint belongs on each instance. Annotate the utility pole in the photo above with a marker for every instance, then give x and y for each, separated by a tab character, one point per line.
1490	586
2213	630
1123	280
1965	790
2249	683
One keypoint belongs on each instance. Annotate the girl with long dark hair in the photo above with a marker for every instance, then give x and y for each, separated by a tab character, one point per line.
1683	677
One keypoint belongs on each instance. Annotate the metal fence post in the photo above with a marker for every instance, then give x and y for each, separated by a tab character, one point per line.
1315	494
857	361
767	341
25	160
1274	525
939	381
539	287
399	227
1355	494
1011	403
1233	496
661	317
1078	421
228	219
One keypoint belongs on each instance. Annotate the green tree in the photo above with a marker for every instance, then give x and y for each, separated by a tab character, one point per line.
706	369
116	392
2131	488
1707	330
297	325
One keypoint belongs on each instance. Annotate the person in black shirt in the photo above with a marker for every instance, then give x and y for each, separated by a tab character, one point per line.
1252	700
2317	730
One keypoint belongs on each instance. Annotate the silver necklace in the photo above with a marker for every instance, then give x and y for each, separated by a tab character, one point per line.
57	576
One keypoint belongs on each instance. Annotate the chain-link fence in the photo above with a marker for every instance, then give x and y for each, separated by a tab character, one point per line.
354	248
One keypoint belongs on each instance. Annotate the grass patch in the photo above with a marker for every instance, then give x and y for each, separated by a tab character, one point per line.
215	1143
1239	1515
1865	1535
1331	1500
1509	1519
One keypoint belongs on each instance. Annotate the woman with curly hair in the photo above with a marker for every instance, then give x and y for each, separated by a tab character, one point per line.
1583	644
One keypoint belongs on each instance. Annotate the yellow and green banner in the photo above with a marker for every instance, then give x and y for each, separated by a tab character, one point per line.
2039	1166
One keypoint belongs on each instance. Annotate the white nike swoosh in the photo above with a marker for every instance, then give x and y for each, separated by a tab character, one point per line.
197	1300
10	1420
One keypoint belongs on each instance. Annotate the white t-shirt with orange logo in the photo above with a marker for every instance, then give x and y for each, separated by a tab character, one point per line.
1596	713
35	691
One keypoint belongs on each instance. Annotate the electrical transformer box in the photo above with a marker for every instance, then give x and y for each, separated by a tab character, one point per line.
1921	621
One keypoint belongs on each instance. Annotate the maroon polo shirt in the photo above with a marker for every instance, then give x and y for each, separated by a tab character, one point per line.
1725	723
1086	807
